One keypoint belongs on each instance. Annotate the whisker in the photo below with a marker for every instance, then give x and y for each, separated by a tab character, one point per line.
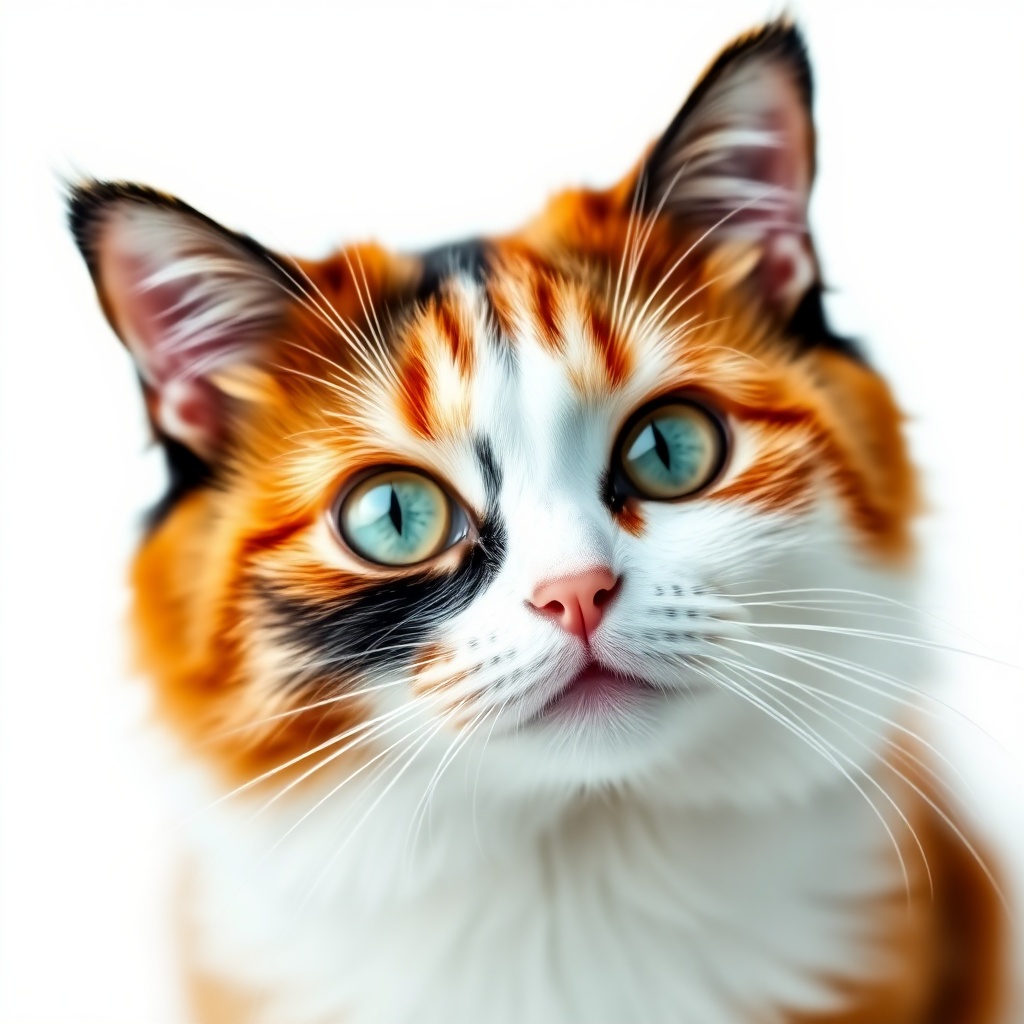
348	778
640	242
896	638
750	670
891	723
348	331
819	660
823	661
387	789
362	727
377	345
868	595
695	245
831	755
421	811
327	701
358	390
640	186
303	709
929	800
373	309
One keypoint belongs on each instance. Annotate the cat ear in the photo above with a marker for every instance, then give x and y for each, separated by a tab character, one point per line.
737	161
186	296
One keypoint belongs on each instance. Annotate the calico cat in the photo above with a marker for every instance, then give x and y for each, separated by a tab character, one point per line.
535	613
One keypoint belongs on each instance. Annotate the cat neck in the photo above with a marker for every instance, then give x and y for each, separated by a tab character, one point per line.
763	895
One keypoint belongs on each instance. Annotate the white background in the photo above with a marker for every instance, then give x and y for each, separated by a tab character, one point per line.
309	124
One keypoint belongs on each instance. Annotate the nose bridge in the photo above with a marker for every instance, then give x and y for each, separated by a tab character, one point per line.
556	476
559	537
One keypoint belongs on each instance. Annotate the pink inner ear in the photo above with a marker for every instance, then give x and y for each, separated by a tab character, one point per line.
741	168
192	411
788	268
776	166
154	323
185	305
163	323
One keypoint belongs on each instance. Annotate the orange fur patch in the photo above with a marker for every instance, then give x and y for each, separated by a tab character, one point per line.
946	953
630	519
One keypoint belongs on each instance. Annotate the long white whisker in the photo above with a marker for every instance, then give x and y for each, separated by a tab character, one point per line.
640	242
421	811
820	660
375	345
373	309
348	331
750	670
834	699
356	730
831	754
387	789
638	188
896	638
928	799
348	778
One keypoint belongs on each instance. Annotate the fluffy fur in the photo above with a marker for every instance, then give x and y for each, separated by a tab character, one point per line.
393	825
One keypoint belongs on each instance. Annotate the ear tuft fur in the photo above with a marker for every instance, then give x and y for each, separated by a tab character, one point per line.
187	296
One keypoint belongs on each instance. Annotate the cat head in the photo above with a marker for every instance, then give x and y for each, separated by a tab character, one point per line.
549	494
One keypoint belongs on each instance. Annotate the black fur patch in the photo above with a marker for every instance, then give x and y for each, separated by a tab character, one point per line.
810	328
490	469
469	257
186	472
381	626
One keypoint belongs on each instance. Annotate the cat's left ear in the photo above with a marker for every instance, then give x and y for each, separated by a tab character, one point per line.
737	162
189	299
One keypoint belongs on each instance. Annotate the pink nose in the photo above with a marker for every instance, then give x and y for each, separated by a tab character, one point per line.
577	603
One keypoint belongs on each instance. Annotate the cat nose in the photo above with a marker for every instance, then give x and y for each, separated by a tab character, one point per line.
577	602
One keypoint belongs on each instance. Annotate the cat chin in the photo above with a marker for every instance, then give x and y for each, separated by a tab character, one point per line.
611	746
697	748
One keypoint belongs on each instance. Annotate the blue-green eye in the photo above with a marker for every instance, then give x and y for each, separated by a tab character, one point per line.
672	451
396	517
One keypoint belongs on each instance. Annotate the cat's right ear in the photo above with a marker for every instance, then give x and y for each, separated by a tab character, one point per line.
187	297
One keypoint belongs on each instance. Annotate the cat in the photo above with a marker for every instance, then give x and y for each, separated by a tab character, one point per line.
534	614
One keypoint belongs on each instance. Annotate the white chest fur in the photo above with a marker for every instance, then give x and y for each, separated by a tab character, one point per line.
599	909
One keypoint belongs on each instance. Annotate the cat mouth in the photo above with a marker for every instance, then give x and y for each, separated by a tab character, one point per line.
597	693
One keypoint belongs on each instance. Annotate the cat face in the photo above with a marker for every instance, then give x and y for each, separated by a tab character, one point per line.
539	497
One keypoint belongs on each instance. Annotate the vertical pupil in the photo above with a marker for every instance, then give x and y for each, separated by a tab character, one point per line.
661	446
395	511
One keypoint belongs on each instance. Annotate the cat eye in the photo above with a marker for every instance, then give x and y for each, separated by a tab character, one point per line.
671	450
399	517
